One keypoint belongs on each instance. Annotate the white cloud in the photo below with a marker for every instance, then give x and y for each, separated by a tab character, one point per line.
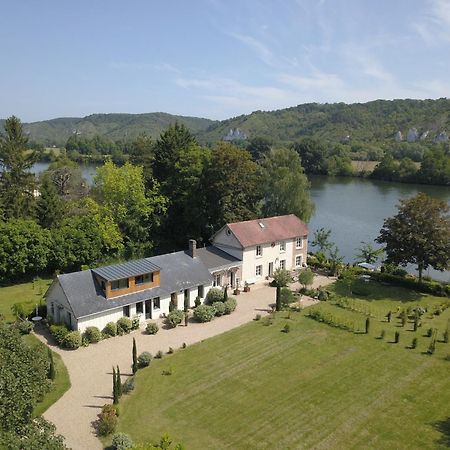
434	26
261	50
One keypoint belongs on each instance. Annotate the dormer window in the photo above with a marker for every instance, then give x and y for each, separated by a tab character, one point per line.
258	250
143	279
119	284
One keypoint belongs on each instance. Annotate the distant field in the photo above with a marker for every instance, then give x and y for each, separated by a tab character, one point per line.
314	387
30	294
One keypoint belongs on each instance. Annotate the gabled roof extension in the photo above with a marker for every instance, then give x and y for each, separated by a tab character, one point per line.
216	259
270	229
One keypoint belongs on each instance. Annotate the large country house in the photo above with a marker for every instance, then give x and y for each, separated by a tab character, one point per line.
241	253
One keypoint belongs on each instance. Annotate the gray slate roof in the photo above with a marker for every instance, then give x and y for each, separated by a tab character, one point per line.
215	259
178	272
125	270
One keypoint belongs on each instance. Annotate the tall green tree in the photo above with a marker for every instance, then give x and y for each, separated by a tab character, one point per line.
49	207
285	186
321	240
142	153
230	188
121	190
281	277
17	183
134	354
313	155
418	234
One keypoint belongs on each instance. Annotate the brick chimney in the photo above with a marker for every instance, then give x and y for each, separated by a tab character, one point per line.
192	248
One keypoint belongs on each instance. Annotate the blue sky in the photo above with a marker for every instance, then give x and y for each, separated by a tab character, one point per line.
217	58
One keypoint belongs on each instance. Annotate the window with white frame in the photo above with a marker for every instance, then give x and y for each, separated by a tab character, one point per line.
282	264
298	261
258	271
282	246
258	250
217	281
299	242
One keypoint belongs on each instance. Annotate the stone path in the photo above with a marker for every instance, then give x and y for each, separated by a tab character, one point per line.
90	367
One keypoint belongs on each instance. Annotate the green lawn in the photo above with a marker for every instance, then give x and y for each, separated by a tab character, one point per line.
29	294
314	387
60	384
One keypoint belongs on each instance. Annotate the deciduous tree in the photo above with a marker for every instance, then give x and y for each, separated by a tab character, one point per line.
418	234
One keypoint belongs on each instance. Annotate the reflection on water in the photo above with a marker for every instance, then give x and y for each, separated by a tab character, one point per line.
354	209
87	170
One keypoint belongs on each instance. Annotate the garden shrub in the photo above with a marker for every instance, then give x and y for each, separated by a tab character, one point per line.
170	351
214	295
286	328
109	408
84	341
24	326
184	345
197	301
204	313
135	323
445	337
107	423
175	317
152	328
230	305
92	334
396	337
287	296
124	325
159	354
144	359
59	332
323	295
72	340
121	441
110	329
128	385
414	343
429	332
258	317
218	308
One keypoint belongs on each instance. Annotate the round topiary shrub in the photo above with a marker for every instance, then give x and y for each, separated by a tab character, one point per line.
59	332
175	317
72	340
110	329
218	308
24	326
214	295
124	325
287	296
230	305
152	328
121	441
144	359
92	334
204	313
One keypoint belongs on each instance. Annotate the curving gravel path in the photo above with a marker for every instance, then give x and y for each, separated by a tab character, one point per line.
90	367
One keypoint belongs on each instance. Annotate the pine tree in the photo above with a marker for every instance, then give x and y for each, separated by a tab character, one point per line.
367	325
225	294
135	363
51	368
49	205
118	383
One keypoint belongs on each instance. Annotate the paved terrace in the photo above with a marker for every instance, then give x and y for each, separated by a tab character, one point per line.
90	367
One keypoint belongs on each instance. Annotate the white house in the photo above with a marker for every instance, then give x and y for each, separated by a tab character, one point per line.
243	252
263	245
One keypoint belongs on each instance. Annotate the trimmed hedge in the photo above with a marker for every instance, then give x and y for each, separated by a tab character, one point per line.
59	332
124	325
144	359
122	441
110	329
92	335
430	287
175	317
152	328
230	305
214	295
72	340
204	313
218	308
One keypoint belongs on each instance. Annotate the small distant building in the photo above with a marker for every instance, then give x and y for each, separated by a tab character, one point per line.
235	134
441	137
398	136
412	135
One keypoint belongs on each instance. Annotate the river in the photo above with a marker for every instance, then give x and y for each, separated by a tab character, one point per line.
354	209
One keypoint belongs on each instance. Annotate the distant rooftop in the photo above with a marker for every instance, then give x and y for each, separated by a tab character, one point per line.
125	270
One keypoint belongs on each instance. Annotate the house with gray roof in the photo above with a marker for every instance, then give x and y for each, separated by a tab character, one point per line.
241	253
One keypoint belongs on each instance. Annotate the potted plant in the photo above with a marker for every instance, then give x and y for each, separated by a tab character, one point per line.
246	287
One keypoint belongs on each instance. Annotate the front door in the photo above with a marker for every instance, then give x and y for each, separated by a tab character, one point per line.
270	269
148	309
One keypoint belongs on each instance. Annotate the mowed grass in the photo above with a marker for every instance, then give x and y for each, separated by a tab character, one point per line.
30	294
314	387
60	384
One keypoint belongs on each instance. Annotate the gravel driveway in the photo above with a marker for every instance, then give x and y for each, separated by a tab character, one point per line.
90	367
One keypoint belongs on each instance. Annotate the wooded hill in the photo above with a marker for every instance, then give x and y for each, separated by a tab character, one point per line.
375	121
115	127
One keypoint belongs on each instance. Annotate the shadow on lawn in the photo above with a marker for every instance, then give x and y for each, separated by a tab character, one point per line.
443	426
373	291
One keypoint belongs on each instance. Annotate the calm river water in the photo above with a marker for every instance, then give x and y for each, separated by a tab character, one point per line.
354	209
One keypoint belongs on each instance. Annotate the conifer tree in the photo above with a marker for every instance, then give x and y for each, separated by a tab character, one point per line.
49	205
135	363
115	392
118	383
